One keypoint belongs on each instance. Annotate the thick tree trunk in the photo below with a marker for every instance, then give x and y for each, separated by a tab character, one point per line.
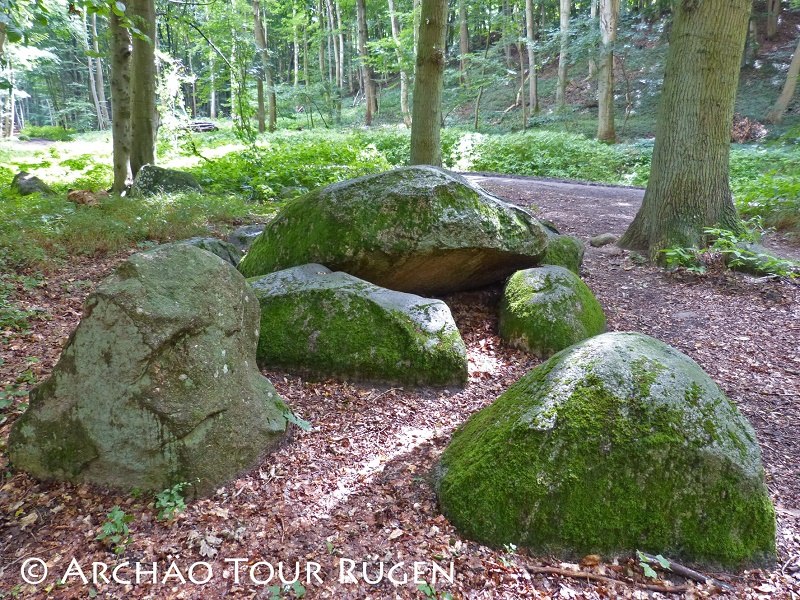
144	118
263	51
120	101
782	103
427	110
609	11
561	87
533	77
689	188
463	38
403	73
366	70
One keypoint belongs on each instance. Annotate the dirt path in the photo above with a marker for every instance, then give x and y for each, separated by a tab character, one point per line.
356	486
591	209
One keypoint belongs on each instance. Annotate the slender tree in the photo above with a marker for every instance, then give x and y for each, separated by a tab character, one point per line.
403	72
266	69
689	188
609	11
366	70
533	77
561	86
782	103
427	107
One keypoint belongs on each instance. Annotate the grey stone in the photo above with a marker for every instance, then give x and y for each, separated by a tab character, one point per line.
333	324
153	180
158	384
225	250
604	239
26	184
244	236
415	229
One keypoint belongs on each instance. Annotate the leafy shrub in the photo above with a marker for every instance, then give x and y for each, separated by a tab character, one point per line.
48	132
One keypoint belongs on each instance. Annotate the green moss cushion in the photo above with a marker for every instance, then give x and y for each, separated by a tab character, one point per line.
564	251
546	309
615	444
334	324
416	229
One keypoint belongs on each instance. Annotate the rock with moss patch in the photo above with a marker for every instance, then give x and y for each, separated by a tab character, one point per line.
333	324
564	251
26	184
225	250
548	308
244	236
615	444
157	180
158	384
413	229
604	239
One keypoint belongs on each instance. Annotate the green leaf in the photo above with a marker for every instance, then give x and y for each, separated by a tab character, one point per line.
13	33
648	571
119	6
663	561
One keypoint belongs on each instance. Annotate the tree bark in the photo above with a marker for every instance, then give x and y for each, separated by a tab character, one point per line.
609	11
463	38
427	109
689	187
403	73
99	77
263	51
87	44
120	101
775	115
773	10
592	61
144	118
561	87
533	77
366	70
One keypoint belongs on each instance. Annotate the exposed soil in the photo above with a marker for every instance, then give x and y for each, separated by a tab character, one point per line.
356	486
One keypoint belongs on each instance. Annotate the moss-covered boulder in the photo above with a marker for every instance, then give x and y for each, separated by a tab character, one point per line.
564	251
154	180
615	444
413	229
334	324
26	184
158	384
546	309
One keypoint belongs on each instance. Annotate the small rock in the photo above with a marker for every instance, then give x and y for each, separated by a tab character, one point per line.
244	236
225	250
604	239
26	184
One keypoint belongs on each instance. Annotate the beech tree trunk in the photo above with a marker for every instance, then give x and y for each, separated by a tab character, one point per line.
561	87
261	44
773	10
120	101
533	77
403	73
427	109
144	118
366	70
782	103
99	77
592	61
609	11
463	38
689	187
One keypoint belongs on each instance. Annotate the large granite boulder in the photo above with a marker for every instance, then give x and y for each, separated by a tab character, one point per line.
26	184
615	444
154	180
158	384
334	324
413	229
546	309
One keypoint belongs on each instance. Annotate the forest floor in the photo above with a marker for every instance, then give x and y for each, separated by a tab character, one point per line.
356	486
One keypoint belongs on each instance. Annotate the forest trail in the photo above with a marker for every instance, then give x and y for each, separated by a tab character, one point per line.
589	209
